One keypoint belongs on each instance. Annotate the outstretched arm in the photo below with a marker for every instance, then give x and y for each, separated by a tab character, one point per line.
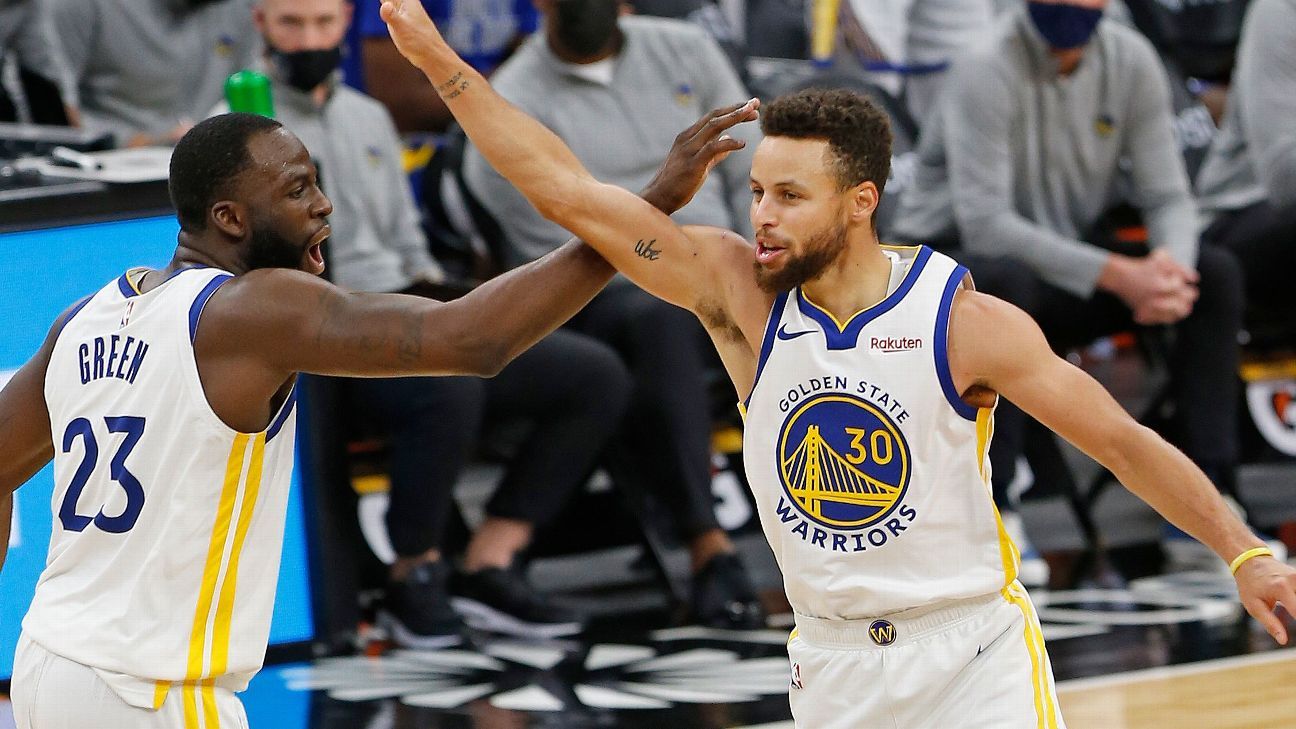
1016	361
640	241
24	430
304	324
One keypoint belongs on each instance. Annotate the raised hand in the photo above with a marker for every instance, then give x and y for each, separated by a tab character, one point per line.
695	151
413	32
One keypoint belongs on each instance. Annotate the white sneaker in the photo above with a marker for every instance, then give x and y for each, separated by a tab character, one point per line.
1034	570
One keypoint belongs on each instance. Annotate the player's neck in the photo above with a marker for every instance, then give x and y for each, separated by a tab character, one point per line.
857	280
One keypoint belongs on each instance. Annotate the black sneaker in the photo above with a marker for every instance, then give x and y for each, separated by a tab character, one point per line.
723	596
417	612
502	601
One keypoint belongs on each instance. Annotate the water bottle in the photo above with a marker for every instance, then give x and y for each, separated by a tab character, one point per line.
249	91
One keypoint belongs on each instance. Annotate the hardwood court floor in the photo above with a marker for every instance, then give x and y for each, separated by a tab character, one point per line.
1168	652
1250	692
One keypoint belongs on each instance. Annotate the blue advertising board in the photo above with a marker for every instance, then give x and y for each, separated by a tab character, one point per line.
41	274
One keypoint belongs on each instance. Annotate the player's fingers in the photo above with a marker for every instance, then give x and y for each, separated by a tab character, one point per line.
718	124
722	147
692	131
1263	613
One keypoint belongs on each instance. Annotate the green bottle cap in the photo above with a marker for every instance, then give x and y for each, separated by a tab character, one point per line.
249	91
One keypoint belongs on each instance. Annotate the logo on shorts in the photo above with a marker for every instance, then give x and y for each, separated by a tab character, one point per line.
843	462
796	676
882	632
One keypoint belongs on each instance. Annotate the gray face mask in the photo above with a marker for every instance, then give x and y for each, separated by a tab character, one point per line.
584	27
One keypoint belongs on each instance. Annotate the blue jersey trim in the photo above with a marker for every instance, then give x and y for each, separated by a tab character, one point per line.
125	286
941	348
767	344
179	271
76	309
196	310
847	336
284	411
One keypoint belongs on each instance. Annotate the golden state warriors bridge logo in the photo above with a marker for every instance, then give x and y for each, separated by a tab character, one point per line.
844	465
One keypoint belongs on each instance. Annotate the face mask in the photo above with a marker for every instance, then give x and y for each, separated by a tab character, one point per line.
305	70
1064	26
584	27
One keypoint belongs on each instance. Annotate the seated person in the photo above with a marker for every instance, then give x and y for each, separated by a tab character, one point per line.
434	423
45	94
1247	186
618	88
484	34
145	70
1019	163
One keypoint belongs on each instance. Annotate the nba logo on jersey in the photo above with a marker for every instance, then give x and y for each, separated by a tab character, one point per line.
843	462
130	309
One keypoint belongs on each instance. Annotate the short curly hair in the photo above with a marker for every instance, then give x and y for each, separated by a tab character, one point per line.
857	131
207	160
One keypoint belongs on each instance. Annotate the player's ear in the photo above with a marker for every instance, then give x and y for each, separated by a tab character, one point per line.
229	218
863	201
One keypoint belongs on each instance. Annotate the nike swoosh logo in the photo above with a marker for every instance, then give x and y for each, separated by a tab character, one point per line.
784	334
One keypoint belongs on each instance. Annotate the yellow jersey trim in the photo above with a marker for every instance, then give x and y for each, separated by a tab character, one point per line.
190	706
225	605
1045	708
215	550
160	691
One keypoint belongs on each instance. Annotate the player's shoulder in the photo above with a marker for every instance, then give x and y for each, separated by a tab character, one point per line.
266	294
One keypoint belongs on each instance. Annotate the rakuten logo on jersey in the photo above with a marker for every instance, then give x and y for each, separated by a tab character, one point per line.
895	344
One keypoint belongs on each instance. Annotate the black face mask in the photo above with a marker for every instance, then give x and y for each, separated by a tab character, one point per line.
584	27
305	70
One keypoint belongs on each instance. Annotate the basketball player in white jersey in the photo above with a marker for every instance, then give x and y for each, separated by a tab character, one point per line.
870	375
166	401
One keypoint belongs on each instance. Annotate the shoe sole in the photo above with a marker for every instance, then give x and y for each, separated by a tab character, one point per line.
409	639
481	616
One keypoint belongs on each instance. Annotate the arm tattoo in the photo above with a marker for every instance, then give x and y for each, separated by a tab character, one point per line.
645	249
455	86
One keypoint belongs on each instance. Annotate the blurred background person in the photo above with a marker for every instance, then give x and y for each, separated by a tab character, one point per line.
483	33
1021	161
618	88
434	424
145	70
35	85
1247	185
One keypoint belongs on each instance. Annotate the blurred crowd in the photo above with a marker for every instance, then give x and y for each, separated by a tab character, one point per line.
1110	167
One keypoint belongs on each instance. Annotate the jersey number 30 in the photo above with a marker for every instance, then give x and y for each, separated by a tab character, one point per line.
133	428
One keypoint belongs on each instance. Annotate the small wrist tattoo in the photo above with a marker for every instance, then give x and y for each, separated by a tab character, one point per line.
455	86
645	249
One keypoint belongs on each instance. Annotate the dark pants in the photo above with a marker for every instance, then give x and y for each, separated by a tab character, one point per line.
1264	240
1203	359
665	439
571	388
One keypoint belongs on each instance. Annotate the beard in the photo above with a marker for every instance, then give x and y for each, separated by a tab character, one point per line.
820	250
269	249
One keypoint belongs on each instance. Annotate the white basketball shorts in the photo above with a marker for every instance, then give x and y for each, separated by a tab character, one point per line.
52	692
970	664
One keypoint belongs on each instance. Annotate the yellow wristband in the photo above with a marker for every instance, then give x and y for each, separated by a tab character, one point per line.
1250	554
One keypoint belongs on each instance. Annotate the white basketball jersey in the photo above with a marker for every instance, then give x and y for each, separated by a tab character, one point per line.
870	473
168	524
